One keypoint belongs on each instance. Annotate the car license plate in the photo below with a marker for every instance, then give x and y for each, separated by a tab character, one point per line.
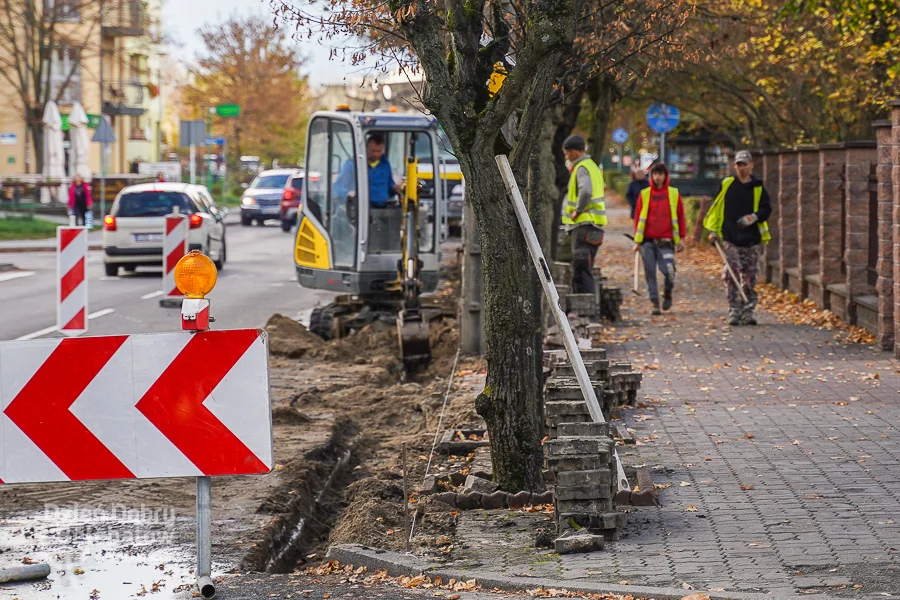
148	237
272	211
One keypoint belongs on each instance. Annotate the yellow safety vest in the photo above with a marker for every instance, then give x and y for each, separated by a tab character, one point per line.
645	210
716	215
596	211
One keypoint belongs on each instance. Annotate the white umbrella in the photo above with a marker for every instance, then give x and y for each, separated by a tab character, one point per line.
80	142
54	154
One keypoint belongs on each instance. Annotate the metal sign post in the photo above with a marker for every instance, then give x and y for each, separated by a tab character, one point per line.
540	264
105	136
620	136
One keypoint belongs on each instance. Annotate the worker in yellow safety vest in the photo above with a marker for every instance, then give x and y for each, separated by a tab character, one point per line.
738	219
584	213
659	224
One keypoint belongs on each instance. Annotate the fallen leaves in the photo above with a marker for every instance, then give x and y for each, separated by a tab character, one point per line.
746	487
789	308
691	508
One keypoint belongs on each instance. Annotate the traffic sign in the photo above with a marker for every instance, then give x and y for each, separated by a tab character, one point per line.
104	133
620	136
228	110
662	118
135	406
218	141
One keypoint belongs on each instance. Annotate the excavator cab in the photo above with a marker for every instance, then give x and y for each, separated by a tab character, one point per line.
369	227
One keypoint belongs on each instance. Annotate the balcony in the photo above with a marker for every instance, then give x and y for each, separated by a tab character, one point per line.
124	98
124	18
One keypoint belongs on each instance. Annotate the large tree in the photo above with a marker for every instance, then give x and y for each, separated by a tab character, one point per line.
245	62
457	44
43	45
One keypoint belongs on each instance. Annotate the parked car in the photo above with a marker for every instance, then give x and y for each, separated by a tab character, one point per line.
290	200
133	230
262	198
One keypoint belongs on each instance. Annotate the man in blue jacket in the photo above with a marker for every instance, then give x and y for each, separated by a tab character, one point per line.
380	175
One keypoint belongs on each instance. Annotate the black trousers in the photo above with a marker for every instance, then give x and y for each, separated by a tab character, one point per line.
586	241
79	215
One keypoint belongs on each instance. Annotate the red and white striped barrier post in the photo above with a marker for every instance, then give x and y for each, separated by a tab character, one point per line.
72	294
175	246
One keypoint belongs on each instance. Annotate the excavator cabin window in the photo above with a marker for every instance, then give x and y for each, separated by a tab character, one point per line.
385	221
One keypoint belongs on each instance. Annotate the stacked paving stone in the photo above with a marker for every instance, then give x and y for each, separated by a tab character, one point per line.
604	303
579	455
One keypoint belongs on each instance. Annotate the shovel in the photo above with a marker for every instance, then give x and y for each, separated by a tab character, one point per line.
637	263
734	278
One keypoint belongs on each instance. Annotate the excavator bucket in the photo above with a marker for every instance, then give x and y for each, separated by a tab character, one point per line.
415	343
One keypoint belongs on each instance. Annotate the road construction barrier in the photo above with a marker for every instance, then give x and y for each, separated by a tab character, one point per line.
71	283
175	245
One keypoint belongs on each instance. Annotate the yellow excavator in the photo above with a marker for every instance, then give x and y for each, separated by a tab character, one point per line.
382	253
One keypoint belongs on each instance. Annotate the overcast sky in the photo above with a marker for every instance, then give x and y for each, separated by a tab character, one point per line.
183	28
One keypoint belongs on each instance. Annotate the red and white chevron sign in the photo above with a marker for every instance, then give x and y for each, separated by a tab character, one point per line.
71	298
175	245
135	406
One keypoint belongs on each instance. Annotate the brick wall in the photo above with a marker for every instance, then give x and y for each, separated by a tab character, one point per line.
832	158
787	218
808	224
884	288
771	175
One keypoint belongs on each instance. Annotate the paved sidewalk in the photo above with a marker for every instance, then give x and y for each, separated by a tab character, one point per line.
777	446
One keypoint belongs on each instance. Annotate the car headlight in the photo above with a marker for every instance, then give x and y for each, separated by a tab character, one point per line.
248	200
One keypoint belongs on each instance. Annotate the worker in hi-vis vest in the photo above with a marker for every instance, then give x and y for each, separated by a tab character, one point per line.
659	225
738	218
584	213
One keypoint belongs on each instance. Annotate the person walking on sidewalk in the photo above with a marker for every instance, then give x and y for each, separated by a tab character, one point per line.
638	184
738	220
80	200
584	213
658	226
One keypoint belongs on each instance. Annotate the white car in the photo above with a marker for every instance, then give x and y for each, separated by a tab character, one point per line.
133	230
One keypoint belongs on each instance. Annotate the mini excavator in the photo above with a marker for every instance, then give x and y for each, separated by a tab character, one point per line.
382	255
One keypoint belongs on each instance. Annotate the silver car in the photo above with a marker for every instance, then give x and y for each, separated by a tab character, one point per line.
261	200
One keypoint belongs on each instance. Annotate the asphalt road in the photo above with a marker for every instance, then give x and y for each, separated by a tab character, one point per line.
258	280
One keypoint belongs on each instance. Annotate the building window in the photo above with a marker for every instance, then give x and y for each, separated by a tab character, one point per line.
65	75
137	66
137	129
63	11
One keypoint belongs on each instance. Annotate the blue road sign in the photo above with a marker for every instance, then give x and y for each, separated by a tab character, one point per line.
662	118
211	141
620	136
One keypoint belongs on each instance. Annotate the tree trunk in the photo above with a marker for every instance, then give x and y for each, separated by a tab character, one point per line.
542	182
602	94
37	138
571	108
509	403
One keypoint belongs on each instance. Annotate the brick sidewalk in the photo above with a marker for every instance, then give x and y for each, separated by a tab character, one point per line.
777	445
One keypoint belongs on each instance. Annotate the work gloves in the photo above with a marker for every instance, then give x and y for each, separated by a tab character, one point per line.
748	220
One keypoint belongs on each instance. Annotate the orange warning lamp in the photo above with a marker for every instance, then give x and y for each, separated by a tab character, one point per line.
195	275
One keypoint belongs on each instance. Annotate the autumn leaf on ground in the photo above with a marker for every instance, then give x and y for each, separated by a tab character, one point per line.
746	486
691	508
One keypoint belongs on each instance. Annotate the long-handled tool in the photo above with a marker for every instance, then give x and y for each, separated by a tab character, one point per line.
734	278
637	264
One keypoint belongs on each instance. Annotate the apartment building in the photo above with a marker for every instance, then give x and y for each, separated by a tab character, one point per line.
113	68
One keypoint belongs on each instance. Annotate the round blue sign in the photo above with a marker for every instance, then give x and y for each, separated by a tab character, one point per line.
620	136
662	118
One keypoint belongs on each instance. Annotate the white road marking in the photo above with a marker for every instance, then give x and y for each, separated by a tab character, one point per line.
15	275
152	295
48	330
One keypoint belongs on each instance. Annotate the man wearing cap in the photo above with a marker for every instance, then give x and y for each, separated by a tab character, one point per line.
584	213
738	218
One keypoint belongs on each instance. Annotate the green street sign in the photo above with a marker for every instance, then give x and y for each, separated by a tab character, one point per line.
11	160
93	121
228	110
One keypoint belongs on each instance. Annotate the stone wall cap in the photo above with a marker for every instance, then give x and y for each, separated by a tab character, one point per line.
895	103
807	148
834	146
862	144
882	123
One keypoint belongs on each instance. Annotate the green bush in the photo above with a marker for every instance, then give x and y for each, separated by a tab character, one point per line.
618	181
